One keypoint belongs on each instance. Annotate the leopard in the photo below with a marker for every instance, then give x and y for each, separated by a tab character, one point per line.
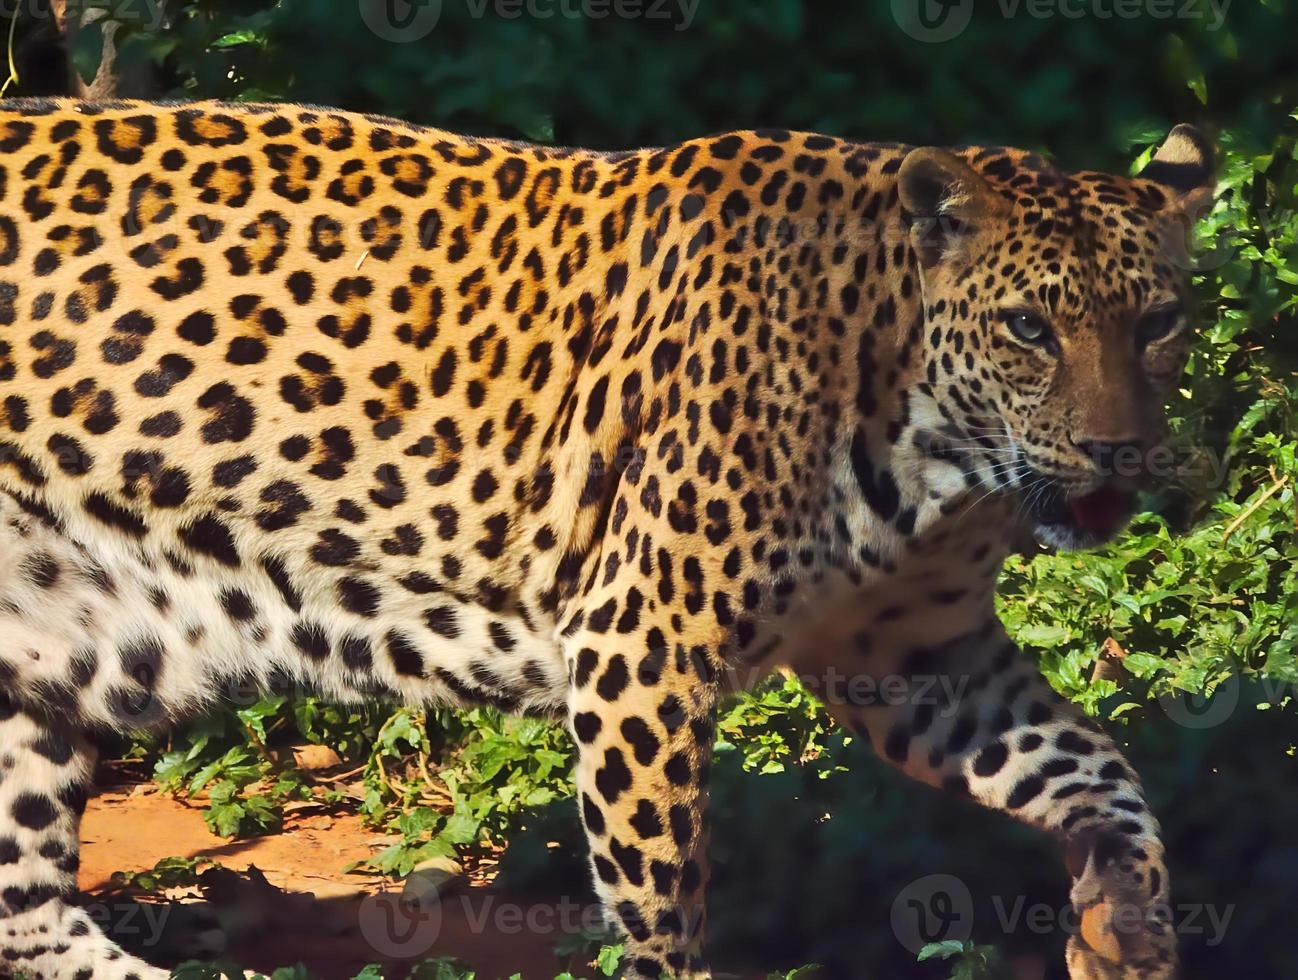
296	394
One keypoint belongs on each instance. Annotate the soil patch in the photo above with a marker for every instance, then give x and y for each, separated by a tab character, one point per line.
285	899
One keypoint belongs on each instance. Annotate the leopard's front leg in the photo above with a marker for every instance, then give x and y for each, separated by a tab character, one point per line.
644	690
980	720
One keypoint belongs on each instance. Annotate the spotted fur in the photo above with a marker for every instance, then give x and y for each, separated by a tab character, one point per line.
302	395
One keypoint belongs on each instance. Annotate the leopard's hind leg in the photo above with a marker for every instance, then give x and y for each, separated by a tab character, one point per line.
46	767
73	659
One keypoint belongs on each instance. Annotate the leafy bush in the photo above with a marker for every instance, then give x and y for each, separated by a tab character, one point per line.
1010	77
493	774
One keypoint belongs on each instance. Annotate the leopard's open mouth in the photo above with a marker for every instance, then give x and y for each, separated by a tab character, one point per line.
1079	520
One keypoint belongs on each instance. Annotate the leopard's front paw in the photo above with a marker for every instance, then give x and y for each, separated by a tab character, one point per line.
1120	895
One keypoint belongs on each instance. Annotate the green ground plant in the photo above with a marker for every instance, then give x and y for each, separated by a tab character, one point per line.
604	964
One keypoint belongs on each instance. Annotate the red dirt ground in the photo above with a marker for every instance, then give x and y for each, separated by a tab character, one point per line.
307	910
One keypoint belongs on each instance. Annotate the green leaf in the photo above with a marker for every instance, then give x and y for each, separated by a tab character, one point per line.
462	828
236	38
609	958
943	950
88	49
298	972
1043	635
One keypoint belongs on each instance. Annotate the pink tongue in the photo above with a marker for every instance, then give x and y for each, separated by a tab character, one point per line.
1101	510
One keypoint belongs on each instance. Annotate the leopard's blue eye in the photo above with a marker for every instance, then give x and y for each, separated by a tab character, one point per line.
1026	326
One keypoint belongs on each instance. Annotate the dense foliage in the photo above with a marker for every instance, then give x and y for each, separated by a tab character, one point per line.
1191	618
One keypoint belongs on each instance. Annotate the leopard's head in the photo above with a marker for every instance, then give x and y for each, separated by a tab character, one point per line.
1056	313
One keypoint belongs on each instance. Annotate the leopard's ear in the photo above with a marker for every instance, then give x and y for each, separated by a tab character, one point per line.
946	200
1183	164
